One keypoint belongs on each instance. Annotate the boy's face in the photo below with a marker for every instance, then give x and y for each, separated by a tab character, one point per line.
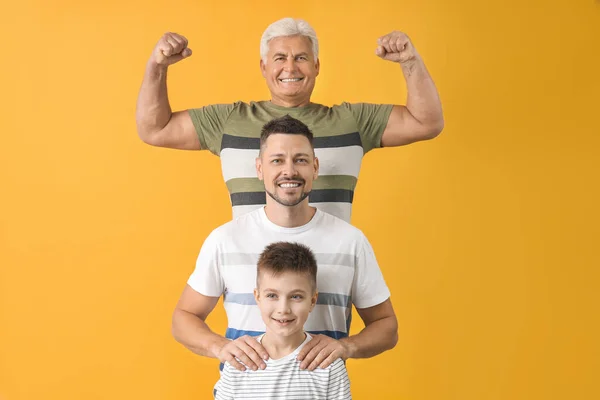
285	300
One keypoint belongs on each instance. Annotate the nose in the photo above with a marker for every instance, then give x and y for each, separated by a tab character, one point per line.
283	307
289	169
290	64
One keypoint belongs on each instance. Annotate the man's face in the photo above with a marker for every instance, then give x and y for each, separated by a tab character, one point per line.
290	70
288	167
285	301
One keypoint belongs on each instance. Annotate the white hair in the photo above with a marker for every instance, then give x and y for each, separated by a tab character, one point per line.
288	27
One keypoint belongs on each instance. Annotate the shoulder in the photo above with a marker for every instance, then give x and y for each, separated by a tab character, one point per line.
240	225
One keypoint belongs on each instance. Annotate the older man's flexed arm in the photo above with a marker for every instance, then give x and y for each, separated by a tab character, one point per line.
157	125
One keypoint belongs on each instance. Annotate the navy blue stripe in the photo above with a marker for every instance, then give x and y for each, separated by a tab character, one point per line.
233	334
253	143
316	196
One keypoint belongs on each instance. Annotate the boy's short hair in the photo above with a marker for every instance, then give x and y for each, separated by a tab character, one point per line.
281	257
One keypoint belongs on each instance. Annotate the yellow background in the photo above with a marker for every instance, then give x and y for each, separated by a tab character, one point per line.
486	235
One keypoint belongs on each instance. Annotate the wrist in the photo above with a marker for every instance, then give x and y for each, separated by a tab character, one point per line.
217	345
156	70
350	348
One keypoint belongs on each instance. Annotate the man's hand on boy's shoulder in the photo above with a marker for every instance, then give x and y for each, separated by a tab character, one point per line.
245	349
321	351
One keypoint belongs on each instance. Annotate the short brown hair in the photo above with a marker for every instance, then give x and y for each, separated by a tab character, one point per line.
281	257
285	125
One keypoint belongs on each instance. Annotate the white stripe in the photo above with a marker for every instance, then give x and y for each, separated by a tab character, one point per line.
241	163
327	318
340	210
340	160
238	163
243	317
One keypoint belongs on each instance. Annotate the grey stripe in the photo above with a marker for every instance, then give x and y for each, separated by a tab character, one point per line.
329	299
316	196
349	139
238	258
253	143
246	299
340	259
238	142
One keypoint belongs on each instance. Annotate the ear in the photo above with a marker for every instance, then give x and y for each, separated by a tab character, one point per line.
313	300
256	296
316	165
317	66
263	68
258	164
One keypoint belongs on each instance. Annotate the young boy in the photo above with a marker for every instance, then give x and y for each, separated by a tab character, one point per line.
286	292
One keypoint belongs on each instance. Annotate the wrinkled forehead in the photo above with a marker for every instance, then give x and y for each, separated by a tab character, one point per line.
290	45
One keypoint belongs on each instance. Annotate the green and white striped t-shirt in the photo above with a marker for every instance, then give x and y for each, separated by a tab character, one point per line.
342	135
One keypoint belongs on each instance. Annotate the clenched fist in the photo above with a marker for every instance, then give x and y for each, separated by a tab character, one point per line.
170	49
396	47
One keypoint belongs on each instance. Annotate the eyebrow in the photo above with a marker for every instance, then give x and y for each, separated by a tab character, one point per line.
277	291
295	155
279	53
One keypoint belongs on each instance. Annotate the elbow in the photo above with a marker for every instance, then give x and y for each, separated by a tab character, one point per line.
175	331
393	334
151	138
433	129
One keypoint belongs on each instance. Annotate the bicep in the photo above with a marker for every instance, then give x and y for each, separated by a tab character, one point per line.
376	313
179	133
402	128
196	303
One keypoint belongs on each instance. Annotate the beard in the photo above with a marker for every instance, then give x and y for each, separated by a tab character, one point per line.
291	202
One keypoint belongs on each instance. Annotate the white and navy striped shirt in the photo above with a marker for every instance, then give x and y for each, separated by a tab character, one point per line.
347	272
284	380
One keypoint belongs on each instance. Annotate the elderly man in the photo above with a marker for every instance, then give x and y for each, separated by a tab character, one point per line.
290	65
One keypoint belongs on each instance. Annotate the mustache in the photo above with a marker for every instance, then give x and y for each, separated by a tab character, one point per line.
298	180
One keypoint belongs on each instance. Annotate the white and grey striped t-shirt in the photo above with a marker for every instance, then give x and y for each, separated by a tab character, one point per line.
284	380
347	274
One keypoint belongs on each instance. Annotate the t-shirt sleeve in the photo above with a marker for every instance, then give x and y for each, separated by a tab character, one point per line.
371	120
338	387
206	278
369	288
209	122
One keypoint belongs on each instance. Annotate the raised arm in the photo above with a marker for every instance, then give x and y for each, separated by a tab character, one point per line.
157	125
422	117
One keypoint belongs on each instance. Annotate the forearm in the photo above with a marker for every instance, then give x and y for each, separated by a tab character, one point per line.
423	101
377	337
153	109
192	332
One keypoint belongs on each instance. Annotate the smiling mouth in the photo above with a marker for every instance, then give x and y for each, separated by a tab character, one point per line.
289	80
289	185
283	321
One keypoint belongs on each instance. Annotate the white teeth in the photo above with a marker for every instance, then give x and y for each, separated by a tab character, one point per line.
291	80
289	185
